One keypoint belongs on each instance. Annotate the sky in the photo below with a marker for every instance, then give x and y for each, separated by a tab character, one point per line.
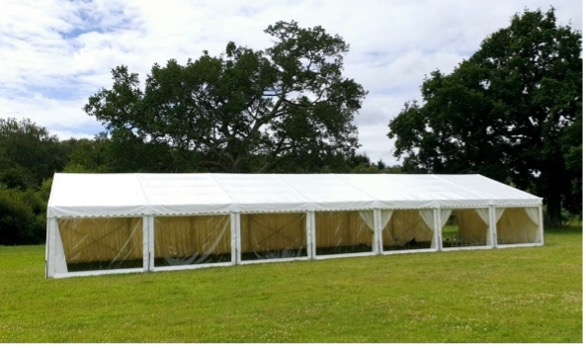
55	54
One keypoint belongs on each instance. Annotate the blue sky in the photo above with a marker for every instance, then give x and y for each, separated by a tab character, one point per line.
55	54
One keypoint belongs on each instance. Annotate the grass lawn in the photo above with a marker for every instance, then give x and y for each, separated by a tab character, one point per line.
506	295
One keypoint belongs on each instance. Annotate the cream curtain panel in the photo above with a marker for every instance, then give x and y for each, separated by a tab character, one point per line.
344	231
474	226
101	240
400	228
268	236
187	240
518	225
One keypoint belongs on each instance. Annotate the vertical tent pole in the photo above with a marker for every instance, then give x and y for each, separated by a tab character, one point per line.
310	230
377	242
492	225
542	241
235	231
437	230
49	254
148	235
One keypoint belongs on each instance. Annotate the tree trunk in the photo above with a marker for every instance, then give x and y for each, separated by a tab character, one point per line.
554	211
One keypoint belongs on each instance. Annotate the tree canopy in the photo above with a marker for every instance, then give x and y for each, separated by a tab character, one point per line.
512	111
245	110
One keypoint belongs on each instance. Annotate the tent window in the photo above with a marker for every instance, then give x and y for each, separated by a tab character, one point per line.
342	233
272	236
465	228
192	240
101	243
407	230
518	226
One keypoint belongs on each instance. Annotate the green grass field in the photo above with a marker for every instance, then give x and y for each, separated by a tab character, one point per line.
506	295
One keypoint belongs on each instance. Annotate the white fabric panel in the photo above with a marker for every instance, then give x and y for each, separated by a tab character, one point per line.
444	217
95	195
427	216
322	192
92	195
483	214
183	194
368	218
386	216
533	214
60	266
498	212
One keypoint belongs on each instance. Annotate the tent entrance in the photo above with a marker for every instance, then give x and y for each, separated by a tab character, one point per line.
466	228
343	232
407	230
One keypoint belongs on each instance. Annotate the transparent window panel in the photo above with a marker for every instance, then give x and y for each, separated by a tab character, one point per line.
101	243
341	233
192	240
516	227
406	231
466	228
272	236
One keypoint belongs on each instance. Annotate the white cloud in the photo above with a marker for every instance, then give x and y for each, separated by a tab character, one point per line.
55	54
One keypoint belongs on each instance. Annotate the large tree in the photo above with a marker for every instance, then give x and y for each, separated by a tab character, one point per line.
245	110
512	111
28	154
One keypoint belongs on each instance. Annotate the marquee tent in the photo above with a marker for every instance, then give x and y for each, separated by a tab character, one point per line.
120	223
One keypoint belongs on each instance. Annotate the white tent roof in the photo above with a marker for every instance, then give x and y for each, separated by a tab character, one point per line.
86	195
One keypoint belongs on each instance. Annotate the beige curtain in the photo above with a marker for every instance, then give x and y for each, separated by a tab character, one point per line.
517	227
101	239
368	218
473	226
385	217
273	234
401	227
183	240
347	228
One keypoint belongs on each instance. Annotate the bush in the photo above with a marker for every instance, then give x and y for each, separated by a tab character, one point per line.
22	217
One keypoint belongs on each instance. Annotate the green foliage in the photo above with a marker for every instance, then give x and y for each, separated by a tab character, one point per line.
513	112
244	110
483	296
28	156
22	216
28	153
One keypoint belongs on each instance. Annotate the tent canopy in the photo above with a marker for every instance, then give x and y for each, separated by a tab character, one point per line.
100	195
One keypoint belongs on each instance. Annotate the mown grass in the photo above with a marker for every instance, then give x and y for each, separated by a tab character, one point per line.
506	295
